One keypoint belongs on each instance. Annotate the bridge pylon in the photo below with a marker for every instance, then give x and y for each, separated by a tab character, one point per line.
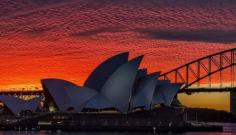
233	103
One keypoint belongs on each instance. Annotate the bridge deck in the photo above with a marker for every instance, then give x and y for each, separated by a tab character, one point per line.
195	90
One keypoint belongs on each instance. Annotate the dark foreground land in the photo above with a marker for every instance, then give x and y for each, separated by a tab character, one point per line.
208	115
164	119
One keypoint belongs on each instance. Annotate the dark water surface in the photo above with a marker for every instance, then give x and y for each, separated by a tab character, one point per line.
105	133
229	129
94	133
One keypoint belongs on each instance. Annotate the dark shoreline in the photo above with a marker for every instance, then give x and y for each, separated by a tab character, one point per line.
209	115
161	120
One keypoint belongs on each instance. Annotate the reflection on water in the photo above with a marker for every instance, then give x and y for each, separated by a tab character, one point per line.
101	133
229	128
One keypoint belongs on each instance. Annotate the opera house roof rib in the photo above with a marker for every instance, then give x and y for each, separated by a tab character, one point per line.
116	83
16	105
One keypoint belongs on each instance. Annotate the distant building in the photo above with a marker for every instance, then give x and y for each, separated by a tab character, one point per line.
16	105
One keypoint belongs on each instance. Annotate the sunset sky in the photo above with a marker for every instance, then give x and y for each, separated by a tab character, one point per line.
68	38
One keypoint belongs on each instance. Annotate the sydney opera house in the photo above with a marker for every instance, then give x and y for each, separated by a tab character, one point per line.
117	84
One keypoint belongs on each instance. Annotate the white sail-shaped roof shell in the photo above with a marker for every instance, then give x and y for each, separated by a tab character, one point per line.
140	74
100	74
157	96
16	105
78	96
56	88
144	93
118	87
166	93
169	92
99	102
68	95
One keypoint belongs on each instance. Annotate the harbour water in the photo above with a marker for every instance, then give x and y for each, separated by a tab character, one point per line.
95	133
229	128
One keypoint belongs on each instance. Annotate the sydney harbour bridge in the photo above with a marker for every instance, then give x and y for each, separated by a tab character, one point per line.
212	73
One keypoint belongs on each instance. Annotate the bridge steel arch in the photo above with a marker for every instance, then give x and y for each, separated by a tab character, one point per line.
195	71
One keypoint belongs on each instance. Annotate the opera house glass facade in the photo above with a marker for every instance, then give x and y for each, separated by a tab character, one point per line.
116	84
